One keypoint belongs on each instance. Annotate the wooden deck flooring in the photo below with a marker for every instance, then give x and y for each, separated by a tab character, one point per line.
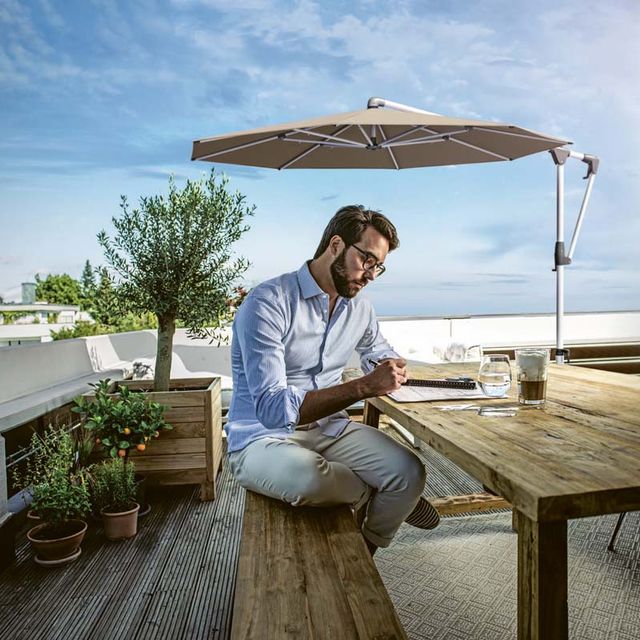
175	579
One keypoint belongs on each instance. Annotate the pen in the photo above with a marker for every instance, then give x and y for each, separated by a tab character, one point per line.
375	363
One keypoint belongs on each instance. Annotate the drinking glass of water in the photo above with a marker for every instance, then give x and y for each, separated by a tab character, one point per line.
494	376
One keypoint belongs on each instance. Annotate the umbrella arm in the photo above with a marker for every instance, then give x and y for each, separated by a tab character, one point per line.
562	258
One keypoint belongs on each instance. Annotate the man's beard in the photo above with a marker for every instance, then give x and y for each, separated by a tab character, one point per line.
346	288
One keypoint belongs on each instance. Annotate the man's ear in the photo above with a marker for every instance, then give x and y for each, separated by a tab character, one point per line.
336	245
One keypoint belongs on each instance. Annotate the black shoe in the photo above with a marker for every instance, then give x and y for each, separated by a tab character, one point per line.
423	516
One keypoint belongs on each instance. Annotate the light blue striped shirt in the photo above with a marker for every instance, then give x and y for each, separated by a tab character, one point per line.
284	344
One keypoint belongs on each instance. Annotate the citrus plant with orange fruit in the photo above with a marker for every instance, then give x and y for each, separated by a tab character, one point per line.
122	421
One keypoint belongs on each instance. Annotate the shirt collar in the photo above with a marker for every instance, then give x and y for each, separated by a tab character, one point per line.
309	287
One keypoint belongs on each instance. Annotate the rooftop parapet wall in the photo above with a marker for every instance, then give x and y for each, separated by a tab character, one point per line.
541	329
31	368
426	339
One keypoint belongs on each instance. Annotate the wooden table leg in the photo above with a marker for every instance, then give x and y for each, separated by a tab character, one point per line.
542	579
370	415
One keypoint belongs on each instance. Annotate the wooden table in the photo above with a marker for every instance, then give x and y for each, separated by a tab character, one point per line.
577	457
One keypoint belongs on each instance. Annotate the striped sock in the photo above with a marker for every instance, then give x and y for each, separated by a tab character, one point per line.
423	516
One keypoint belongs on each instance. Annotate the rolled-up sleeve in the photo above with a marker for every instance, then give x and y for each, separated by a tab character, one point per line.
373	346
260	328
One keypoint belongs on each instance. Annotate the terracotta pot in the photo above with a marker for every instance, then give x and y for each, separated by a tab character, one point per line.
118	526
32	518
62	548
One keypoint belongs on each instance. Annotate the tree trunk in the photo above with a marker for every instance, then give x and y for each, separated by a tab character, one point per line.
166	329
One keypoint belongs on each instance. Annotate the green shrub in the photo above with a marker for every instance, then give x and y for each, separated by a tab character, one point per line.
113	487
82	329
58	486
61	499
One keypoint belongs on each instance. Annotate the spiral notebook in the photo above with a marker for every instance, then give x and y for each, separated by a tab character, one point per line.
437	389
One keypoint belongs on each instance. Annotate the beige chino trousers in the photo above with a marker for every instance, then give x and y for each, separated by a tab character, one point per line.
360	466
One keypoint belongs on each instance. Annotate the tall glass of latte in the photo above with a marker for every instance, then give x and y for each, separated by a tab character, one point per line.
531	365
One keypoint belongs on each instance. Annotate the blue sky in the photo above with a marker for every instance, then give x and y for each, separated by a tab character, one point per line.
104	97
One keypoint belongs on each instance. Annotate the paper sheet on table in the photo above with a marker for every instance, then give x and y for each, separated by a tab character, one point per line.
432	394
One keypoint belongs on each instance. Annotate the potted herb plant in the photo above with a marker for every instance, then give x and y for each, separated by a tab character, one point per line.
172	256
60	498
113	491
122	424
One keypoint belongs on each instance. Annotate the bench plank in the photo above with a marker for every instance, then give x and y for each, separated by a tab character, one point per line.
306	573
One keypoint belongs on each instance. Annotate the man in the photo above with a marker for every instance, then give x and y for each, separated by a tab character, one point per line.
289	436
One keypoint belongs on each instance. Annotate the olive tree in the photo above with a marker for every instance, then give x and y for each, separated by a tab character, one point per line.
172	256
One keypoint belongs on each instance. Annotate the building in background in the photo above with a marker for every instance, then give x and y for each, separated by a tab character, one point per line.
30	321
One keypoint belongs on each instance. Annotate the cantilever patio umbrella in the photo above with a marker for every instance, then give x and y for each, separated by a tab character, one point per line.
389	135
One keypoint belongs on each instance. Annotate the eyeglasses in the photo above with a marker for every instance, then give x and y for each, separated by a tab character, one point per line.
370	262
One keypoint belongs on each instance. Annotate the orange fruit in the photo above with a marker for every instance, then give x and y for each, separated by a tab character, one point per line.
97	440
126	431
122	452
141	447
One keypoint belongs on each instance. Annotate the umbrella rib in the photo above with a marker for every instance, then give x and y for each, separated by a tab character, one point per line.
389	149
403	134
364	133
513	133
449	136
433	138
482	150
306	152
326	143
236	148
408	143
326	137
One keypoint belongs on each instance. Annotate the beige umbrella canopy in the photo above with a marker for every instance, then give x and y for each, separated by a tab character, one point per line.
374	138
401	137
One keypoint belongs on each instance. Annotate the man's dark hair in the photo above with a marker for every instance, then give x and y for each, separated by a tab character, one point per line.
351	222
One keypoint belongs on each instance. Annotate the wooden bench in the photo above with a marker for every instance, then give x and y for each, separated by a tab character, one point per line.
306	573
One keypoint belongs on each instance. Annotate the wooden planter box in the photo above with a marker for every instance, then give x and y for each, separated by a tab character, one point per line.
191	453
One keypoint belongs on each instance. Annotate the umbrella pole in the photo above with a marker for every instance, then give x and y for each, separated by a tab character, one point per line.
561	258
559	262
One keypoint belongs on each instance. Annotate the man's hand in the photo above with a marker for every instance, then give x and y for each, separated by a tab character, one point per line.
388	376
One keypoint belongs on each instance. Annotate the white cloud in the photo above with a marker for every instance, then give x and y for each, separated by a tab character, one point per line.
568	70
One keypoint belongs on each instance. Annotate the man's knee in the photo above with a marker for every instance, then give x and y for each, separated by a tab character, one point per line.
307	479
407	472
417	474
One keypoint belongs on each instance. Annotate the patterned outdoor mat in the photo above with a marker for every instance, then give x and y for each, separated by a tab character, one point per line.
459	581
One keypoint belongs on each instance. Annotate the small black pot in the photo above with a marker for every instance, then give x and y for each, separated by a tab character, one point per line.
141	493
